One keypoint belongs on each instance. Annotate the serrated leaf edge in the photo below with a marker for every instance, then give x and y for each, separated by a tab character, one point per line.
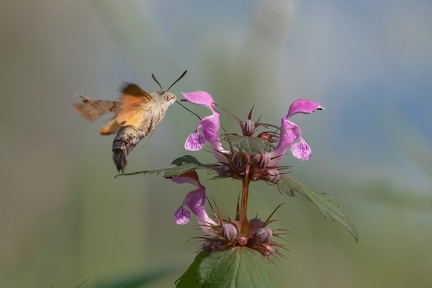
336	216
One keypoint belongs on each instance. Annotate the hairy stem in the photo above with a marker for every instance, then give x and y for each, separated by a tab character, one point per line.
244	202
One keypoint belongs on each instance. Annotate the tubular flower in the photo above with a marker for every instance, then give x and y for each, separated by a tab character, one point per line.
195	202
290	132
208	126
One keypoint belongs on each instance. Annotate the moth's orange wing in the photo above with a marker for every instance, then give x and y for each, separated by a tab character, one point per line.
110	128
134	107
91	109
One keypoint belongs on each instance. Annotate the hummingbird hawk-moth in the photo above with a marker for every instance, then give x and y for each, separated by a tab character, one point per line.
136	114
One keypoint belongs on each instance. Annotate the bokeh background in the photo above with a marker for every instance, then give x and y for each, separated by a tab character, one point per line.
65	220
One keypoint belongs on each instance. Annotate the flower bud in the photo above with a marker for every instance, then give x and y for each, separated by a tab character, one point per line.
211	246
270	175
264	235
224	170
229	231
240	161
248	128
255	220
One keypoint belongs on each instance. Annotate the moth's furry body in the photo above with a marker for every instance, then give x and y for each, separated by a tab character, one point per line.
136	115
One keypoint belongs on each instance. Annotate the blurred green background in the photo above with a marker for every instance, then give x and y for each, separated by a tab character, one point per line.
64	219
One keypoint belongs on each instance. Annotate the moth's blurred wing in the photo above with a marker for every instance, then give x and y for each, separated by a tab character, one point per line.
135	106
91	109
110	128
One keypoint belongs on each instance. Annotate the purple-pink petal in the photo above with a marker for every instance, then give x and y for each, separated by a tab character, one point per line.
304	106
290	132
187	177
194	142
200	98
301	150
208	127
182	216
195	202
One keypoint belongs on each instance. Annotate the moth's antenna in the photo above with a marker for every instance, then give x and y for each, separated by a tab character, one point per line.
154	78
178	79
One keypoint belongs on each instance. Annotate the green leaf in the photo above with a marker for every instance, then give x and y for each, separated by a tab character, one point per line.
183	164
239	267
326	204
144	172
185	160
168	172
175	171
250	145
190	278
187	163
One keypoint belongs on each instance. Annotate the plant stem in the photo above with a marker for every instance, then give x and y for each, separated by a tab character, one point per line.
244	203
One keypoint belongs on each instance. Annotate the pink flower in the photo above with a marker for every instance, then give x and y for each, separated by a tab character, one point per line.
207	130
195	202
290	132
